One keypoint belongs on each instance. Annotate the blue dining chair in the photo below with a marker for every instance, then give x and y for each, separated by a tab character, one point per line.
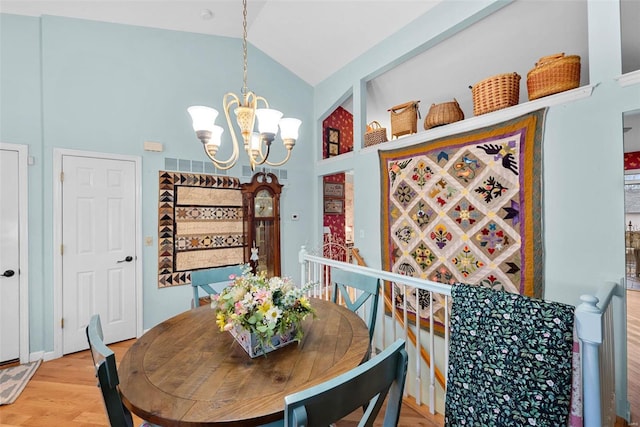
369	286
364	386
209	277
104	362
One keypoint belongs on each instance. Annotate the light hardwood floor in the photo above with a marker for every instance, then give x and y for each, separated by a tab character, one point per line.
64	392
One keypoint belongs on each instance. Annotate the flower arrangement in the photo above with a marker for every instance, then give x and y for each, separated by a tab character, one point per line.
265	307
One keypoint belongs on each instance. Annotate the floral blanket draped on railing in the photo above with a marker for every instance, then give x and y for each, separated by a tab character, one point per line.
510	360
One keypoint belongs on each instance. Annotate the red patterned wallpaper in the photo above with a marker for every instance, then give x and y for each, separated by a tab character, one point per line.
342	120
632	160
334	221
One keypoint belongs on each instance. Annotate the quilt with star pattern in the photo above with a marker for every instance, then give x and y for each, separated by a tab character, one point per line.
466	209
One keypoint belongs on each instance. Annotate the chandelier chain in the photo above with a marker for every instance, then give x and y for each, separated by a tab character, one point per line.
244	46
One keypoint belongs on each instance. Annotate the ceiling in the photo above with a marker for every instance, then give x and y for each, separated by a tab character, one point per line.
296	33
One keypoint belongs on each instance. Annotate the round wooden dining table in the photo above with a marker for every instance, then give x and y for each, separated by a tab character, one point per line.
185	372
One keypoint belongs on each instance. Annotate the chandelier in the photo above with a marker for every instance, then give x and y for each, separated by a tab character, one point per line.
256	144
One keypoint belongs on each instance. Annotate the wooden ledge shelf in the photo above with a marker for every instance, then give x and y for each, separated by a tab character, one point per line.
629	79
477	122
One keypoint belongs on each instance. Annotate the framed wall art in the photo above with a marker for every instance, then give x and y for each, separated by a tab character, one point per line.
333	189
334	206
333	142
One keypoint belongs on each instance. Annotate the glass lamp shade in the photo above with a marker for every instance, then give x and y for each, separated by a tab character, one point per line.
204	118
289	128
268	120
216	135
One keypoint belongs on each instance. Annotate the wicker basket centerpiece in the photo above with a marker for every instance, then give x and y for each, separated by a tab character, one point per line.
443	114
375	134
495	93
553	74
404	118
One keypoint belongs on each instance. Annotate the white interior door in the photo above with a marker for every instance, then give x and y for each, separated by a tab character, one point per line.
99	248
9	256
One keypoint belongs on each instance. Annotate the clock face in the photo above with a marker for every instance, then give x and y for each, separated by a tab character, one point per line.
263	204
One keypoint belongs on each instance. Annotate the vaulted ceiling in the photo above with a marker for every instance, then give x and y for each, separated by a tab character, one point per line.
296	33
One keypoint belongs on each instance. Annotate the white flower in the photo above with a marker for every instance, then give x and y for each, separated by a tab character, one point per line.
472	333
498	372
471	409
513	337
506	397
556	321
465	386
272	315
538	397
531	421
506	316
540	357
550	383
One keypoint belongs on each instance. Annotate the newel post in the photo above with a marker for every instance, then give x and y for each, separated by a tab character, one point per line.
303	273
589	325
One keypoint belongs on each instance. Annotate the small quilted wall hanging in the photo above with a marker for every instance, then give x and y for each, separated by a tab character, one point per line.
466	209
199	225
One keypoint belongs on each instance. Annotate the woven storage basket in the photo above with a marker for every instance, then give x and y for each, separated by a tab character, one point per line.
404	118
375	134
553	74
495	93
443	114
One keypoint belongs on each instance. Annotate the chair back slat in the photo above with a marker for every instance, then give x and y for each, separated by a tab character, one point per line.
104	362
343	280
211	276
367	385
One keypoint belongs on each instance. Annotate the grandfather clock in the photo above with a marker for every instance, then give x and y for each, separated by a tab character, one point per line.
261	201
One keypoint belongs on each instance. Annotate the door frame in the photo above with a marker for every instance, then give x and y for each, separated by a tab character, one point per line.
23	241
58	154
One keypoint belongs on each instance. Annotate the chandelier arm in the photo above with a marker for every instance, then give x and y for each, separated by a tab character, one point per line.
228	101
222	165
232	160
260	98
286	159
260	158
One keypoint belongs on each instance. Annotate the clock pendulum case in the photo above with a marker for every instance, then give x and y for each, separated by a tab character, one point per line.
261	204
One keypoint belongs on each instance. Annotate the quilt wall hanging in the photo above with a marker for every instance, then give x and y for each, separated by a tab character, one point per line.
200	225
466	209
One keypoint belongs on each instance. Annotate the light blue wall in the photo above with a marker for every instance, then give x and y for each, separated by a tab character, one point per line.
92	86
21	123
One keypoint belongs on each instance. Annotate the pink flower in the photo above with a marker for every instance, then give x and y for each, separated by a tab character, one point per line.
261	295
239	308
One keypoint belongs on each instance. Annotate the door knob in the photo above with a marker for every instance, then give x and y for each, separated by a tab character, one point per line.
8	273
129	258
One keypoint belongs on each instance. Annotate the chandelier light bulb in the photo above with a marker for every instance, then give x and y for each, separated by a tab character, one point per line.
268	120
203	118
289	128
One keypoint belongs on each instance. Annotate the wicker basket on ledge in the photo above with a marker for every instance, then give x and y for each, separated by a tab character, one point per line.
404	118
495	93
443	114
553	74
375	134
